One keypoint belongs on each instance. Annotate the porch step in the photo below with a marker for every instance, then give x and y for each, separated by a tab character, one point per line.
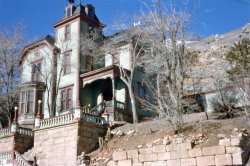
29	156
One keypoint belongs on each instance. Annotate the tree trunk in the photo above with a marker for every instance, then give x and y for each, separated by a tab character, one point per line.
159	95
9	121
132	98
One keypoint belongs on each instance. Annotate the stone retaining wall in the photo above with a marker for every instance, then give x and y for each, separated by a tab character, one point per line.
230	151
21	143
88	135
60	145
7	143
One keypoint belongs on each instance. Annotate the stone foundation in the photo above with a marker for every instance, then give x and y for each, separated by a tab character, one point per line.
60	145
7	143
20	143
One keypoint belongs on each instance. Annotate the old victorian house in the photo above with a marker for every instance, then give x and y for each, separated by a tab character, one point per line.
66	99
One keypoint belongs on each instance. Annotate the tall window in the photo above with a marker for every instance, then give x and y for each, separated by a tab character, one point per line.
23	101
27	101
67	63
67	34
36	72
66	99
30	101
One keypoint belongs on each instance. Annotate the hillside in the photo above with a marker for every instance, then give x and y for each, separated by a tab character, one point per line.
210	64
202	133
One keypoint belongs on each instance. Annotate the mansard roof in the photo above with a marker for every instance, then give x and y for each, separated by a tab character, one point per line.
47	40
79	10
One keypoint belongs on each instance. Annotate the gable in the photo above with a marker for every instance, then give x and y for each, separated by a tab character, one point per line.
47	41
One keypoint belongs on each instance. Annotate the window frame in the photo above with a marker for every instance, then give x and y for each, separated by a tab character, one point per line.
23	102
66	98
30	100
67	63
68	11
36	76
67	32
26	101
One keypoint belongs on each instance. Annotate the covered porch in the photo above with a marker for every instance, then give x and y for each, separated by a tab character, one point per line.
105	94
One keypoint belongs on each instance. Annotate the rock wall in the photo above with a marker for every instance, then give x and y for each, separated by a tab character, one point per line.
7	144
180	152
21	143
56	145
88	135
60	145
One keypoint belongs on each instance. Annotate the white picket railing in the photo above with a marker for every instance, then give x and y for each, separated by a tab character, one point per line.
6	156
86	109
5	132
26	132
20	160
59	120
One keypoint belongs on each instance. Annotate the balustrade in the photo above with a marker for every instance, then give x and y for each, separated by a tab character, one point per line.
86	109
59	120
6	156
20	160
24	131
93	119
5	132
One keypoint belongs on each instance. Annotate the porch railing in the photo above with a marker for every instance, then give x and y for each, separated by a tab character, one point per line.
120	105
85	109
59	120
24	131
5	132
20	160
95	119
6	156
98	109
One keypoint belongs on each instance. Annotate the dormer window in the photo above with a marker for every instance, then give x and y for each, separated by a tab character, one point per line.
68	11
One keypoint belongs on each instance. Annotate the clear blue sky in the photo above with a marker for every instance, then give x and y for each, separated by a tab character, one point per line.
209	16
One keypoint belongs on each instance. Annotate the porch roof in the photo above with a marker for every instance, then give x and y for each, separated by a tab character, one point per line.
103	73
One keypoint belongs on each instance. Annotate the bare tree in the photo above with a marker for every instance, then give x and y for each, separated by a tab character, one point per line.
225	101
11	42
164	60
